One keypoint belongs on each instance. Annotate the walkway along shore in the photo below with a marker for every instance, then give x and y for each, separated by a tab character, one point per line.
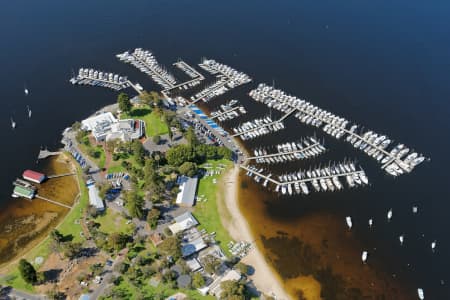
265	278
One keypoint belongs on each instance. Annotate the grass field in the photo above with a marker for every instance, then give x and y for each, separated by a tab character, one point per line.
112	221
207	212
153	123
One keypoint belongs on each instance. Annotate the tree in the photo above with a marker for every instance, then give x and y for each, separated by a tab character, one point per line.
211	263
191	137
118	241
171	246
135	204
124	102
170	132
232	288
55	295
243	268
156	139
103	189
138	151
188	168
27	271
57	236
71	249
152	217
197	280
76	126
179	154
96	269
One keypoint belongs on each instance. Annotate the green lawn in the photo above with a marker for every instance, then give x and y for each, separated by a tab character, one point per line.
163	290
15	280
154	125
100	161
112	221
207	213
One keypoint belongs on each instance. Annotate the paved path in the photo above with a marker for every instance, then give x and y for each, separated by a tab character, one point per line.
9	293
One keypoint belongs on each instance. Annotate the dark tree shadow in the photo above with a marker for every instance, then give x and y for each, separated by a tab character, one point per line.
52	275
140	112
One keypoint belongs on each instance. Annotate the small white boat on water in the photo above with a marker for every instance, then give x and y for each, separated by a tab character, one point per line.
415	209
26	91
364	256
349	222
433	245
420	294
13	124
29	112
401	239
389	215
370	223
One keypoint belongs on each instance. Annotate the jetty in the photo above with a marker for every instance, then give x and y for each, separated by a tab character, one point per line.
229	111
60	175
104	79
45	153
53	202
375	145
306	148
320	179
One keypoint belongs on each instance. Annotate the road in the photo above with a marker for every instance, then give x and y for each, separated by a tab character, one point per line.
10	293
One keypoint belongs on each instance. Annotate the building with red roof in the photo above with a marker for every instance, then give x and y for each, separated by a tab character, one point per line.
33	176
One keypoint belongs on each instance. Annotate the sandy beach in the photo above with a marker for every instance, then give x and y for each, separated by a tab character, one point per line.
264	278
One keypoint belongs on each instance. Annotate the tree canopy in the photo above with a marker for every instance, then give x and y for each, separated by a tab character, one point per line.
124	102
188	168
232	289
27	271
171	246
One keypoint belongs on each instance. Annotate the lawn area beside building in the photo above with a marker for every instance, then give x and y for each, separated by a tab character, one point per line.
154	125
207	212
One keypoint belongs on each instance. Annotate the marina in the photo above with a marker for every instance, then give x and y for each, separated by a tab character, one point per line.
399	160
229	111
321	179
147	63
99	78
227	78
304	149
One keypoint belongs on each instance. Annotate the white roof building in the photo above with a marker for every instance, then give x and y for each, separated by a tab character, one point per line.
215	289
105	126
188	189
183	222
94	197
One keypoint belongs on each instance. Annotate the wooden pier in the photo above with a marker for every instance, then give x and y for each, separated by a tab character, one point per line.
260	174
60	175
266	124
224	112
284	153
53	202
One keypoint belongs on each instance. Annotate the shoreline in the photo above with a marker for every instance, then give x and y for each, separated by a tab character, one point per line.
6	267
264	278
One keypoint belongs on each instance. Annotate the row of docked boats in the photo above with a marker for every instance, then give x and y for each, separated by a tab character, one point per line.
229	111
213	90
234	78
256	128
147	63
99	78
305	148
397	161
320	179
191	72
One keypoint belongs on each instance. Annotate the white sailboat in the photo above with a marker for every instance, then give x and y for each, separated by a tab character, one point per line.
389	215
401	239
348	220
13	124
364	256
420	294
433	245
415	209
370	223
26	91
29	111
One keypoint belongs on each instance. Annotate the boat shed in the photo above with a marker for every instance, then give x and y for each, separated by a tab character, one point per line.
24	192
192	247
188	189
33	176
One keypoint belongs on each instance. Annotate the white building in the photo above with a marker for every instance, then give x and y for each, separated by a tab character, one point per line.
188	189
106	127
183	222
94	197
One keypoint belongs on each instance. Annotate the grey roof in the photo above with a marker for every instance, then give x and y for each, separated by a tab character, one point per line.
187	216
184	281
188	186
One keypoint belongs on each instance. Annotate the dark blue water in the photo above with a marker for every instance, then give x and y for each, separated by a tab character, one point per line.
382	64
